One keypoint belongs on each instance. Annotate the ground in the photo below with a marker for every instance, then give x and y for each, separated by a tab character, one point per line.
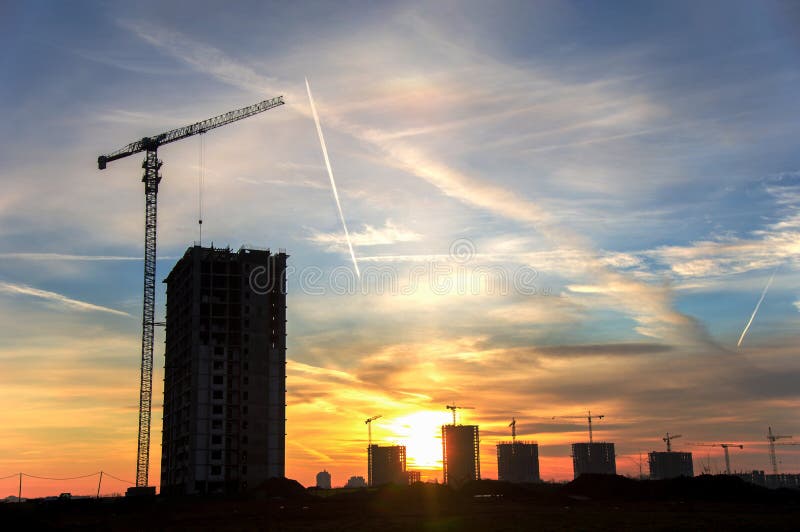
590	503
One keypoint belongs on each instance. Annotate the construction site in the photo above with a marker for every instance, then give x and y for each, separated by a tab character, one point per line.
224	411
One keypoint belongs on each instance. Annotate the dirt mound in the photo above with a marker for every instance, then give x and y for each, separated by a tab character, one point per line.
702	488
284	488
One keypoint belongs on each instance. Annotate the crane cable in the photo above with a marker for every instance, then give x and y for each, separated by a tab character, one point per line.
200	182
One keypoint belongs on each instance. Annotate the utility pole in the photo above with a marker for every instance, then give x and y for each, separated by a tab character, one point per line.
99	482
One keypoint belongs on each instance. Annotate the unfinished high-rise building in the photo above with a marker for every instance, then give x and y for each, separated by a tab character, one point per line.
670	465
461	457
324	480
518	461
387	465
224	428
597	458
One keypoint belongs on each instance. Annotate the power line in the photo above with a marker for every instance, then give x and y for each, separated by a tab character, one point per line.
66	478
105	473
115	478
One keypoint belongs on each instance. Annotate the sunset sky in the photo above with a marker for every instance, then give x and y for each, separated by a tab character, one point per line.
630	169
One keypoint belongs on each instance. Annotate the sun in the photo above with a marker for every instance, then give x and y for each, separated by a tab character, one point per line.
421	433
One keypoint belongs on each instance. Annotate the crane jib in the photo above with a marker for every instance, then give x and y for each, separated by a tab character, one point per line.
152	143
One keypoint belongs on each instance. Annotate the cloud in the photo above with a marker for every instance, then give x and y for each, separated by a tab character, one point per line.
202	57
58	299
651	306
624	350
797	304
390	233
71	257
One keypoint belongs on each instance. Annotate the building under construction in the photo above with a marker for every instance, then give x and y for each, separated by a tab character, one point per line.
518	461
670	465
225	370
387	465
461	456
596	457
781	480
324	480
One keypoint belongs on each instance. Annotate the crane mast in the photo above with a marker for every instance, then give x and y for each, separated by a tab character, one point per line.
668	439
151	180
589	416
368	422
772	438
725	447
456	407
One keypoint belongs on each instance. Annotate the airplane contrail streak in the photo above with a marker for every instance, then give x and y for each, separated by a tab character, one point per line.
330	174
755	310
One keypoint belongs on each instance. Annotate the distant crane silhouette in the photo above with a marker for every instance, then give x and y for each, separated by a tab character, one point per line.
668	438
513	426
456	407
588	417
725	447
772	438
368	422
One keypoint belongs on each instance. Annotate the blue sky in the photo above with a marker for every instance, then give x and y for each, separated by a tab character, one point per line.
640	157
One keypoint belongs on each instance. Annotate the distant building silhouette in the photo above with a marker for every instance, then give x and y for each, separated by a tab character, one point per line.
387	464
781	480
356	482
597	457
324	480
461	457
670	465
754	477
225	369
518	461
413	477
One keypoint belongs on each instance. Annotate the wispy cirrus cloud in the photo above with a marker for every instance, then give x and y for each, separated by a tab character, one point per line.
765	249
651	306
390	233
67	257
57	299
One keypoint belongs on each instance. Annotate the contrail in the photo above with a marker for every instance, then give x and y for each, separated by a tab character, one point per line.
330	174
755	311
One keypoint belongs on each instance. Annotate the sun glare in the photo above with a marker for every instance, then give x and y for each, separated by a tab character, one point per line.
421	433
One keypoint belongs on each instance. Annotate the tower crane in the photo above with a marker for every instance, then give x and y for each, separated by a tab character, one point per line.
773	459
725	447
513	426
668	438
588	417
456	407
151	179
368	422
